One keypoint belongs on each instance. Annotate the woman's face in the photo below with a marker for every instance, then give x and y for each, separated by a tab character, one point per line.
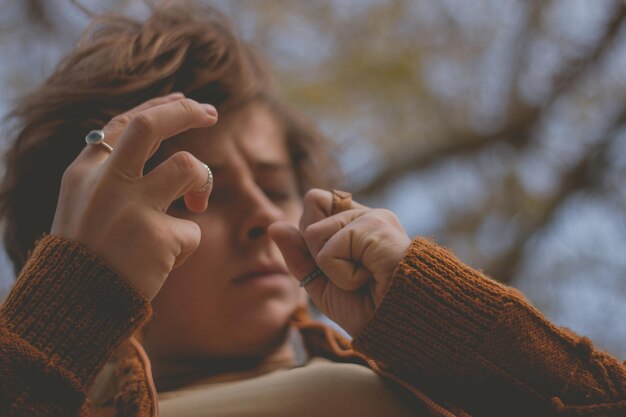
234	295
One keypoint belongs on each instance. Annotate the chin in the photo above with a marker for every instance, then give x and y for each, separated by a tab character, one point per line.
264	327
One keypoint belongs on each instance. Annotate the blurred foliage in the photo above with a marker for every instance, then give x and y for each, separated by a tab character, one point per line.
496	126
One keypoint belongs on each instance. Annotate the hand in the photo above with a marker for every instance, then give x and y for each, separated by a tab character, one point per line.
357	250
109	206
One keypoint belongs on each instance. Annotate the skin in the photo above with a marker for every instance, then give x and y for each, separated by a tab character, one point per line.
211	320
106	204
357	249
103	195
206	321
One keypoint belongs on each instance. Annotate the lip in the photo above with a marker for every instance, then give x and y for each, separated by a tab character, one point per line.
261	272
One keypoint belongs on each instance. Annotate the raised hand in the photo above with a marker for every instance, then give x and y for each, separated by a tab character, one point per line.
109	206
357	250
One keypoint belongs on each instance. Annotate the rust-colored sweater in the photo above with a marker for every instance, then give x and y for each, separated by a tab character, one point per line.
463	344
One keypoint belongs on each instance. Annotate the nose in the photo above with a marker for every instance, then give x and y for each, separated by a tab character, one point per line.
258	212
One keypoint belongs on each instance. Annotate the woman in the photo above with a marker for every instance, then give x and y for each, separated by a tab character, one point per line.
229	320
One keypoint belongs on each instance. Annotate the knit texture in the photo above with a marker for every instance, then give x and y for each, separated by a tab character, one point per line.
470	341
463	344
61	321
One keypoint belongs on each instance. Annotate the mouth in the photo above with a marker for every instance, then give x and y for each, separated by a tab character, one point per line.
262	273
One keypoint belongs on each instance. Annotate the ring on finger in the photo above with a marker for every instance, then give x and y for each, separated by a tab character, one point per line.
311	277
96	137
209	180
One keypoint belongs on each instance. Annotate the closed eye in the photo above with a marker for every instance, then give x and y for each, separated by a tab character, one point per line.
278	195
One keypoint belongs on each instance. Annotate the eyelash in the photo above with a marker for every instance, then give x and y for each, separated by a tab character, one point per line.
278	196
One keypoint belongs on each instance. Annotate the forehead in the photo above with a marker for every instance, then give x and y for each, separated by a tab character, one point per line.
251	135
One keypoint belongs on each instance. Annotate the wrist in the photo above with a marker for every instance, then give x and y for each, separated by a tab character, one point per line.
67	302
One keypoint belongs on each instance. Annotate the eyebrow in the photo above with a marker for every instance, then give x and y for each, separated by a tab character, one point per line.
272	166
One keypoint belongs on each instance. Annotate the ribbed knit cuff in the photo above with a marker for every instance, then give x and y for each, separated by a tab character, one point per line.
436	311
73	308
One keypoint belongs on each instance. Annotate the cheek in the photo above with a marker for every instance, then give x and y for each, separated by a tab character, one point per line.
215	232
216	238
204	271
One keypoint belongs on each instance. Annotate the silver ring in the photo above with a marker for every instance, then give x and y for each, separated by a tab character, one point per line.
96	137
209	180
311	277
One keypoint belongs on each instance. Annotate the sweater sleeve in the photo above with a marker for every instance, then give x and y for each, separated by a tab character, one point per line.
64	316
479	345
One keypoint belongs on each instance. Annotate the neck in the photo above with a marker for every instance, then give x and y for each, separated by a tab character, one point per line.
172	373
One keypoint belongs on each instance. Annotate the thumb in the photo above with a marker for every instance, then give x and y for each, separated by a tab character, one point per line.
187	234
298	258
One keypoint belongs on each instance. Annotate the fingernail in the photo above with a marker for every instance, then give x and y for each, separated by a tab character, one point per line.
212	111
176	94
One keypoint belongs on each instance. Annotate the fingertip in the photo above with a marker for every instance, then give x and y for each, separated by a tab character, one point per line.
283	233
291	244
316	206
210	110
278	227
197	202
274	229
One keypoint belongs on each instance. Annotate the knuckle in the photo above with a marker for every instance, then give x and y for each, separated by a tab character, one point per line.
383	228
119	121
184	162
374	221
142	123
387	216
72	175
314	196
310	233
160	233
324	260
374	239
188	105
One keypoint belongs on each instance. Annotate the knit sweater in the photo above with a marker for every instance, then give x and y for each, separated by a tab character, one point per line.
463	344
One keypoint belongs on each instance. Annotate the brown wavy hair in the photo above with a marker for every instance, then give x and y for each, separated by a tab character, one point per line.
119	63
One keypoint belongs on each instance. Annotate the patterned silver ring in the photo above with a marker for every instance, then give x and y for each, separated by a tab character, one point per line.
209	180
311	277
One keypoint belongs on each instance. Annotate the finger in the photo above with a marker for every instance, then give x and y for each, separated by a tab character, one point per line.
317	234
178	175
297	256
186	236
151	126
318	204
341	256
155	102
197	199
114	128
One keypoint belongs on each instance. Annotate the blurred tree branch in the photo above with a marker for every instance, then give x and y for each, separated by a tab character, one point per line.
516	132
585	175
37	14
